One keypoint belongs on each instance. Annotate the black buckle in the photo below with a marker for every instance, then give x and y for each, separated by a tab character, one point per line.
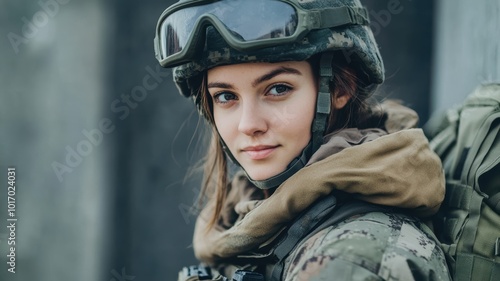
203	273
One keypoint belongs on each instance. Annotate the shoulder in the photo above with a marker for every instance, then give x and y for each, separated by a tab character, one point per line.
373	246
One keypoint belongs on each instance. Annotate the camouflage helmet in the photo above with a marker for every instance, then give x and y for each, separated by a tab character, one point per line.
355	42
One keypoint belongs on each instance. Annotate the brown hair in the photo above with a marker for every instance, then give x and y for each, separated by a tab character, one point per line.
345	82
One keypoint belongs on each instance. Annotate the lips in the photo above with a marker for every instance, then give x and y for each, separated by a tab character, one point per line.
259	152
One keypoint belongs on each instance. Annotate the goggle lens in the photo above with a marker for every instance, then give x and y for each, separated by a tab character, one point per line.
246	20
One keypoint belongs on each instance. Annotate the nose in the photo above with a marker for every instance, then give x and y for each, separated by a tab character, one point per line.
253	119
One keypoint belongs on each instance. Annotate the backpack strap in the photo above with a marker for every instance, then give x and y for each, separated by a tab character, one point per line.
466	262
485	144
442	141
465	206
494	202
306	221
321	215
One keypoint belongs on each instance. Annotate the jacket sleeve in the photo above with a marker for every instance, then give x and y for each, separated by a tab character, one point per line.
374	246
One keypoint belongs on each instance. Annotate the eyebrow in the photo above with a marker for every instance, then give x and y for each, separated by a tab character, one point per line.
220	85
274	73
268	76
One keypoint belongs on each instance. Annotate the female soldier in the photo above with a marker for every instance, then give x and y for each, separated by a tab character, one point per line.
330	184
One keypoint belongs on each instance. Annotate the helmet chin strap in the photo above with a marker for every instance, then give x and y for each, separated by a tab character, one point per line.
323	108
323	102
272	182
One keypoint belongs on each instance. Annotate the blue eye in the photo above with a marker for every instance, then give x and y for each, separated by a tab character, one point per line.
279	90
224	97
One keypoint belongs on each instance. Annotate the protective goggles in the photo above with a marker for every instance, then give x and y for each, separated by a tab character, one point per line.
244	25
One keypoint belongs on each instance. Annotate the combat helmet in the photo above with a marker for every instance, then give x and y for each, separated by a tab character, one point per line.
193	36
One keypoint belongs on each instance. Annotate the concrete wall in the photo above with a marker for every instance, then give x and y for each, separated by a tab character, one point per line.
403	29
52	83
467	49
101	141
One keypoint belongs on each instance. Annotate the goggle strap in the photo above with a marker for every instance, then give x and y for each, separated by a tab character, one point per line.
333	17
323	103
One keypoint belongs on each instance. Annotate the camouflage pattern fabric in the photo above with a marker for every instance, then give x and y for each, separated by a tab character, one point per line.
395	248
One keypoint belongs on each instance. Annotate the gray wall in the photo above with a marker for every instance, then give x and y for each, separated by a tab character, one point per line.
404	32
53	81
467	44
100	189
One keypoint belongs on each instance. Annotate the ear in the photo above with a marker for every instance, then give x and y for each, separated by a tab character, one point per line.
340	100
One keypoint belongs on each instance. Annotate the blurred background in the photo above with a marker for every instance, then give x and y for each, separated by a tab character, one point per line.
103	144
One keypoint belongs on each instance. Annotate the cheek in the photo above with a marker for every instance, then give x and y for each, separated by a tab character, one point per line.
295	119
301	115
294	124
304	123
226	127
308	110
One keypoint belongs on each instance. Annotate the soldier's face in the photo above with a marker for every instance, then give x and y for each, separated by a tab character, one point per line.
264	112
